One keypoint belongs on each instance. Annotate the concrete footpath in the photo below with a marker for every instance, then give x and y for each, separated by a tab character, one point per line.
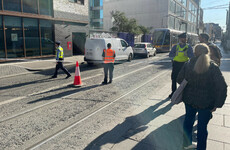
157	125
25	66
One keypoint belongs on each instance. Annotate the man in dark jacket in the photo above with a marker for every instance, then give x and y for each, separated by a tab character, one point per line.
215	53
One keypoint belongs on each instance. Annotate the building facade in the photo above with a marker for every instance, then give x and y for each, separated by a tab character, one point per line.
174	14
96	14
28	28
214	31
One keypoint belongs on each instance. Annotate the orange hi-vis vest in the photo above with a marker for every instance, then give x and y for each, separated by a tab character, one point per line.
109	56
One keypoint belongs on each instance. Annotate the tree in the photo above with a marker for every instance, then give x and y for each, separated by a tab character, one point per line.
123	24
120	21
144	30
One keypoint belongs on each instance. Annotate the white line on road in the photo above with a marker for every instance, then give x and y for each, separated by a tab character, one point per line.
83	119
135	64
27	111
46	90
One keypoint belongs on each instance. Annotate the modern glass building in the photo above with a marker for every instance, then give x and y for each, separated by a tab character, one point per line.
96	14
182	15
28	27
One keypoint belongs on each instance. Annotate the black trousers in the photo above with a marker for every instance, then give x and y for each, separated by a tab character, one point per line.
108	67
176	67
59	65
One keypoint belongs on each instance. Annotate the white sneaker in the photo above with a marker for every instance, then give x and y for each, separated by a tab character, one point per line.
193	146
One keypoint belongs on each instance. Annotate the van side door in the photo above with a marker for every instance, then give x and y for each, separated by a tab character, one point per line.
125	50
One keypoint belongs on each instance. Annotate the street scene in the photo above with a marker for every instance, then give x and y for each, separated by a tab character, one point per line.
94	75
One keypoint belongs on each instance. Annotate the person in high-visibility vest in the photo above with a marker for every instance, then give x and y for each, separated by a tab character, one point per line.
59	60
180	54
109	58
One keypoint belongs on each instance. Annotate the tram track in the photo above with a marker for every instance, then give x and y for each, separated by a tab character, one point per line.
92	110
4	92
56	100
61	131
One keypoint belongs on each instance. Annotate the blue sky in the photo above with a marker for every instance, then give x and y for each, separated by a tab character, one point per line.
215	15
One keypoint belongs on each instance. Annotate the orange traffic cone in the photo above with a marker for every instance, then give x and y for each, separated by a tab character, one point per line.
77	78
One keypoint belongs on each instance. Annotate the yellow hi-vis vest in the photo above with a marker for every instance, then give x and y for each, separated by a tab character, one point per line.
60	54
181	54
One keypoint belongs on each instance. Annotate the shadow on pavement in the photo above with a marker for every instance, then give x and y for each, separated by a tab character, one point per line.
166	137
62	94
49	79
133	124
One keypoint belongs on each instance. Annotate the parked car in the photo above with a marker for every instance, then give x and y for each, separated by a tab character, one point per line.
144	49
94	48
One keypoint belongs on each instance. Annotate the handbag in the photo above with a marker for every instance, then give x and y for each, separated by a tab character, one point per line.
177	95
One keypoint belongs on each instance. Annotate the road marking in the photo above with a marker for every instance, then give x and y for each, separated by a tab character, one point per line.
52	88
12	100
83	119
135	64
24	112
46	90
133	71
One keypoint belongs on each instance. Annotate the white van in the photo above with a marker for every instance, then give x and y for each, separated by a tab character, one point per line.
94	48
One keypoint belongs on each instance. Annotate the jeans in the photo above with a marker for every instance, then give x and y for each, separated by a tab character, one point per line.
204	116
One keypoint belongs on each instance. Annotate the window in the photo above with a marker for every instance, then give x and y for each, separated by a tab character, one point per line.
189	28
77	1
124	44
139	45
30	6
184	2
14	37
183	27
172	6
47	37
183	13
150	46
2	46
31	37
190	5
12	5
171	22
177	24
167	38
189	17
178	10
46	7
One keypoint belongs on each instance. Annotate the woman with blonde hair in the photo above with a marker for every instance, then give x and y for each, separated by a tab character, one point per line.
205	91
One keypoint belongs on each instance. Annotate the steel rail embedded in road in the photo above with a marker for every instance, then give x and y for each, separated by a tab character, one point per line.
37	145
59	99
63	85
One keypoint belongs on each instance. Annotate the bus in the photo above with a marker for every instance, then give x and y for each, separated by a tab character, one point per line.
165	39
